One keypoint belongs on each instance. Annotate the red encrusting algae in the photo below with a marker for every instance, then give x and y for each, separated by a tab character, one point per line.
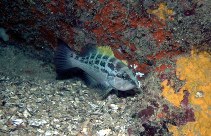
56	6
113	19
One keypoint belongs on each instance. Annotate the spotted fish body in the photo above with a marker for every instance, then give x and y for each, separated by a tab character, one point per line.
102	70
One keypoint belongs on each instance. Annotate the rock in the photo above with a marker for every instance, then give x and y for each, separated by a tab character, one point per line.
17	122
37	122
103	132
26	114
50	133
113	107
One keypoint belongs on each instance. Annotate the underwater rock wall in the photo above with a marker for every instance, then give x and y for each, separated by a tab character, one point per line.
168	38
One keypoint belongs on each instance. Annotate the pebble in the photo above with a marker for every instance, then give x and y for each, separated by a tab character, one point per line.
50	133
114	107
39	100
26	114
17	122
33	88
37	122
103	132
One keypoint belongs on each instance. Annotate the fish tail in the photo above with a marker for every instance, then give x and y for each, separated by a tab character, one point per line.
63	57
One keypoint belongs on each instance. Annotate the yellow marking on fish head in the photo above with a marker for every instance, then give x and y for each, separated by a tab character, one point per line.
105	50
108	51
125	62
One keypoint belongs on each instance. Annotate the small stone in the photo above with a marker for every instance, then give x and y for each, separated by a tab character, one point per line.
17	122
37	122
55	120
76	99
40	131
57	126
48	133
39	100
104	132
26	114
84	86
33	89
84	131
5	128
113	107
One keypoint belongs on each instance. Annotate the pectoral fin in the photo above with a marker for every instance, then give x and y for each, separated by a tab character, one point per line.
90	81
103	89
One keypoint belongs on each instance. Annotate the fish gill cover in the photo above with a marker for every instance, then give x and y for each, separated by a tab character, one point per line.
168	41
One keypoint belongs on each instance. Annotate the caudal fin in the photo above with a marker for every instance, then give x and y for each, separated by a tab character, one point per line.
63	57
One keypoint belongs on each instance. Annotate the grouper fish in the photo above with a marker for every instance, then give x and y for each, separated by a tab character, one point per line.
102	70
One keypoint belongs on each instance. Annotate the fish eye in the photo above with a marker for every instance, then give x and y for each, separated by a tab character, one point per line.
125	76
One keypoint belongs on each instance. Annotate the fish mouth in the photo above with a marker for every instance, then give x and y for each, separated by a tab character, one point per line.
136	84
130	87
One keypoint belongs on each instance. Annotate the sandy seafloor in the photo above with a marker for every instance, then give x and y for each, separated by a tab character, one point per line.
33	102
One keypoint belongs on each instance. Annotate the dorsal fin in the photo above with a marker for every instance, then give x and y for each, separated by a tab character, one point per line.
108	51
